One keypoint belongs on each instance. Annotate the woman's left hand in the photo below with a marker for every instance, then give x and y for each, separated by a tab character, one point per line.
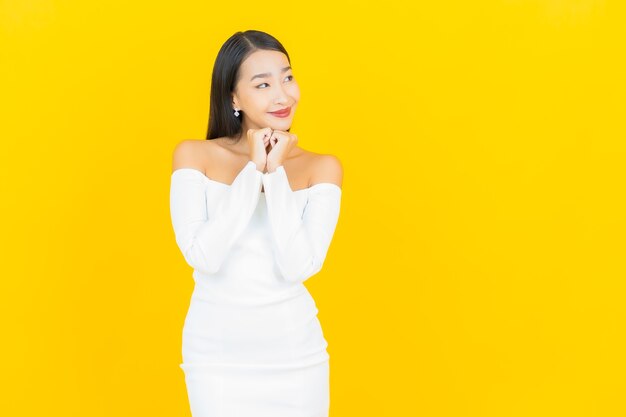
281	144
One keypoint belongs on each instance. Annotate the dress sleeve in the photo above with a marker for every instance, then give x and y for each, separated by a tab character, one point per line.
301	239
203	241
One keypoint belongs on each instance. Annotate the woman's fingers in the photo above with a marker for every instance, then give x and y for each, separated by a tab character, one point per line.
282	142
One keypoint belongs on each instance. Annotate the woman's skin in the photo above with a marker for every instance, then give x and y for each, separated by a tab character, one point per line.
264	138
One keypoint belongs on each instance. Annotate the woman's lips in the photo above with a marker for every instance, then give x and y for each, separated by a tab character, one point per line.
282	113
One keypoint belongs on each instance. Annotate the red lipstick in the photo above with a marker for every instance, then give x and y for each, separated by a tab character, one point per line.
282	113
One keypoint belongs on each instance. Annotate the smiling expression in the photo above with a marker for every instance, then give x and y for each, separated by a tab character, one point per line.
266	84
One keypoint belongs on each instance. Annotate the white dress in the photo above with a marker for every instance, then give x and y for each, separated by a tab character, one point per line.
252	344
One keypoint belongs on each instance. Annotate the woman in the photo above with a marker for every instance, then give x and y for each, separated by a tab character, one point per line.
254	215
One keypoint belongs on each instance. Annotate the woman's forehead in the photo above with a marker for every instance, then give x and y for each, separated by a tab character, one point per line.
265	63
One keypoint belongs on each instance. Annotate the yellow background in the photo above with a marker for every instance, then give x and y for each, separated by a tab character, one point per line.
478	264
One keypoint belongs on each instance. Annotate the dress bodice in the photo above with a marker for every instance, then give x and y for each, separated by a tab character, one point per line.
248	246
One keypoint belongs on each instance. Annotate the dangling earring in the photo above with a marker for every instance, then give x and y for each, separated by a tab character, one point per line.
236	112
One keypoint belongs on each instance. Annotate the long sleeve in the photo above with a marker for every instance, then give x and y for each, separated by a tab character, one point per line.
203	241
301	239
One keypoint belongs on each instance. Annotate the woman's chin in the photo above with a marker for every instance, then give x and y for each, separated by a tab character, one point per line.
280	125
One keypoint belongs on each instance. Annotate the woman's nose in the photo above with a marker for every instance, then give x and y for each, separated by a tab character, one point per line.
281	95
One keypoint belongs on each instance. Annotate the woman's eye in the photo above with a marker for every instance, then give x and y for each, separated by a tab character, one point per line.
268	84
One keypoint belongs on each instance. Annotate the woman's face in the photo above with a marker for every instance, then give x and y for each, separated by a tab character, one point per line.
266	84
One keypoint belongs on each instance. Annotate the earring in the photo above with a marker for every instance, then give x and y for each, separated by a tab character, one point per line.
236	112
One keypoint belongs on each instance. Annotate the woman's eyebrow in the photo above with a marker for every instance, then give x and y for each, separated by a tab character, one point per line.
267	74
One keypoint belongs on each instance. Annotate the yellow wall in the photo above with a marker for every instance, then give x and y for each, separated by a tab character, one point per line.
478	265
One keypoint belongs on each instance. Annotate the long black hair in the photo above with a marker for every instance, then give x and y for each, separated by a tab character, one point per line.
222	120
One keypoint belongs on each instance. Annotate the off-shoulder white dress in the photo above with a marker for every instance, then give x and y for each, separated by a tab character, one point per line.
252	344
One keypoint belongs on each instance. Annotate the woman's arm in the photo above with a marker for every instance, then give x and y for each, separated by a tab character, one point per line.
301	239
205	241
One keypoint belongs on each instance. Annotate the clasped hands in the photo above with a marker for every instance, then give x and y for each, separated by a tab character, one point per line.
269	148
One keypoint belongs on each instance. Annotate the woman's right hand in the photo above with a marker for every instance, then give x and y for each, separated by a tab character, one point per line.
258	141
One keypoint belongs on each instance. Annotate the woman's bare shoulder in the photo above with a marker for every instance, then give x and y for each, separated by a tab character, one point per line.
325	168
192	153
